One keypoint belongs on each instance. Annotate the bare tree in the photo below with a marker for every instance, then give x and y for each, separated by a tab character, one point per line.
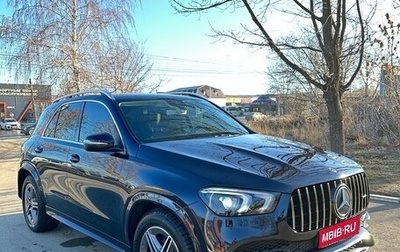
334	32
120	65
61	39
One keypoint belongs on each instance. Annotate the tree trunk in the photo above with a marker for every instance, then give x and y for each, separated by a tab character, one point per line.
335	115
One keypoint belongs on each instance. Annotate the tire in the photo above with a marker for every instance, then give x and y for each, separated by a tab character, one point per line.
34	209
160	228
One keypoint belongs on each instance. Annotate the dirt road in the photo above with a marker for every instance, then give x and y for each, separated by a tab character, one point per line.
9	156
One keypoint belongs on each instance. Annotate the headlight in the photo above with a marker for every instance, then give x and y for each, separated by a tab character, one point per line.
232	202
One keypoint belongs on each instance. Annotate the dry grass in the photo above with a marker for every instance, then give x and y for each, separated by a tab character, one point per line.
381	164
303	129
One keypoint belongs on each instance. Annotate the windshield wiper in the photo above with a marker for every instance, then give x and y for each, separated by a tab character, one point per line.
216	134
191	136
227	133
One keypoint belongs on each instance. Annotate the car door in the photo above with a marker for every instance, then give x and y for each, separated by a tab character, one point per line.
50	153
94	178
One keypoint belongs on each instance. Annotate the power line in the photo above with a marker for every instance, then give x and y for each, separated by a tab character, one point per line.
175	67
182	66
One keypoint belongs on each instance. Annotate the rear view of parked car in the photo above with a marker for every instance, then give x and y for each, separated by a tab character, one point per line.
233	110
174	172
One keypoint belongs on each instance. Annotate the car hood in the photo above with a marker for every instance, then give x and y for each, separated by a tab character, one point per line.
259	157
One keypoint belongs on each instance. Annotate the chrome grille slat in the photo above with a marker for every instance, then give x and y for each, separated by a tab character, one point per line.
293	212
358	192
365	192
362	192
316	207
323	206
355	192
311	207
330	205
301	211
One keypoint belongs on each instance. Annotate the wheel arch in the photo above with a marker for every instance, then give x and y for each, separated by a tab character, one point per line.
25	170
146	201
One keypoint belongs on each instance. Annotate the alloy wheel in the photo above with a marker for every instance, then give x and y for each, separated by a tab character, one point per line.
156	239
31	206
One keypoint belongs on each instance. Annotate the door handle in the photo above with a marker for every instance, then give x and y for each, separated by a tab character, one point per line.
74	158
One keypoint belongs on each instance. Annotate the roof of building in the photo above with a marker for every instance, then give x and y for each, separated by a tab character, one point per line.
204	90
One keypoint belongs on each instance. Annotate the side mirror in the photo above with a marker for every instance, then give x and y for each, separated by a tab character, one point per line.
99	142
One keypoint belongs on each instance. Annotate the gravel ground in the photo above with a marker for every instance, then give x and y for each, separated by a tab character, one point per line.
9	156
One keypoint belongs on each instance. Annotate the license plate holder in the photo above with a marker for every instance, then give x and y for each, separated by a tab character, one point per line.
338	232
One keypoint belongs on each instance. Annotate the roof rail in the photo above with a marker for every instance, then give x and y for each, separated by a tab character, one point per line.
95	91
188	94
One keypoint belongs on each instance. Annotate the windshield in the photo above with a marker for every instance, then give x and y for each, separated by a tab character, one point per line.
10	120
171	119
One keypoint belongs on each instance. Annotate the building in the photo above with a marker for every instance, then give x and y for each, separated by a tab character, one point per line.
264	104
389	80
213	94
16	100
241	101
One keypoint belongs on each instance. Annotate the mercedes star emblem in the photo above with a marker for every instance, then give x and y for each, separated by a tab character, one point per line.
342	201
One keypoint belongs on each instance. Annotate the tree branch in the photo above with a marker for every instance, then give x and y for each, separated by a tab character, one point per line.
274	47
186	9
361	52
308	11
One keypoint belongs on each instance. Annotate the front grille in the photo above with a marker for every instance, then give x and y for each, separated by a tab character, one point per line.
311	207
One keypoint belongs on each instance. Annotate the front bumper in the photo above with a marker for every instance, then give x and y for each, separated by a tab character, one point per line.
12	127
265	233
277	243
359	243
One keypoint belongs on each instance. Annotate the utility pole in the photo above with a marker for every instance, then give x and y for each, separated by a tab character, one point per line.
33	100
31	86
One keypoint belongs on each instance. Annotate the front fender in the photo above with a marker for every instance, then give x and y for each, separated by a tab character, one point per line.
144	201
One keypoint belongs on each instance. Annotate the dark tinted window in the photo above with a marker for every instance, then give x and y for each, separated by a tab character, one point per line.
65	123
43	119
51	128
96	119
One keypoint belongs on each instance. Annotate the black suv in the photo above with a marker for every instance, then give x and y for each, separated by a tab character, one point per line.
174	172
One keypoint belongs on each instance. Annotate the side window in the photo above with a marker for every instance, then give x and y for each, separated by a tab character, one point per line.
65	123
43	119
51	128
97	119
